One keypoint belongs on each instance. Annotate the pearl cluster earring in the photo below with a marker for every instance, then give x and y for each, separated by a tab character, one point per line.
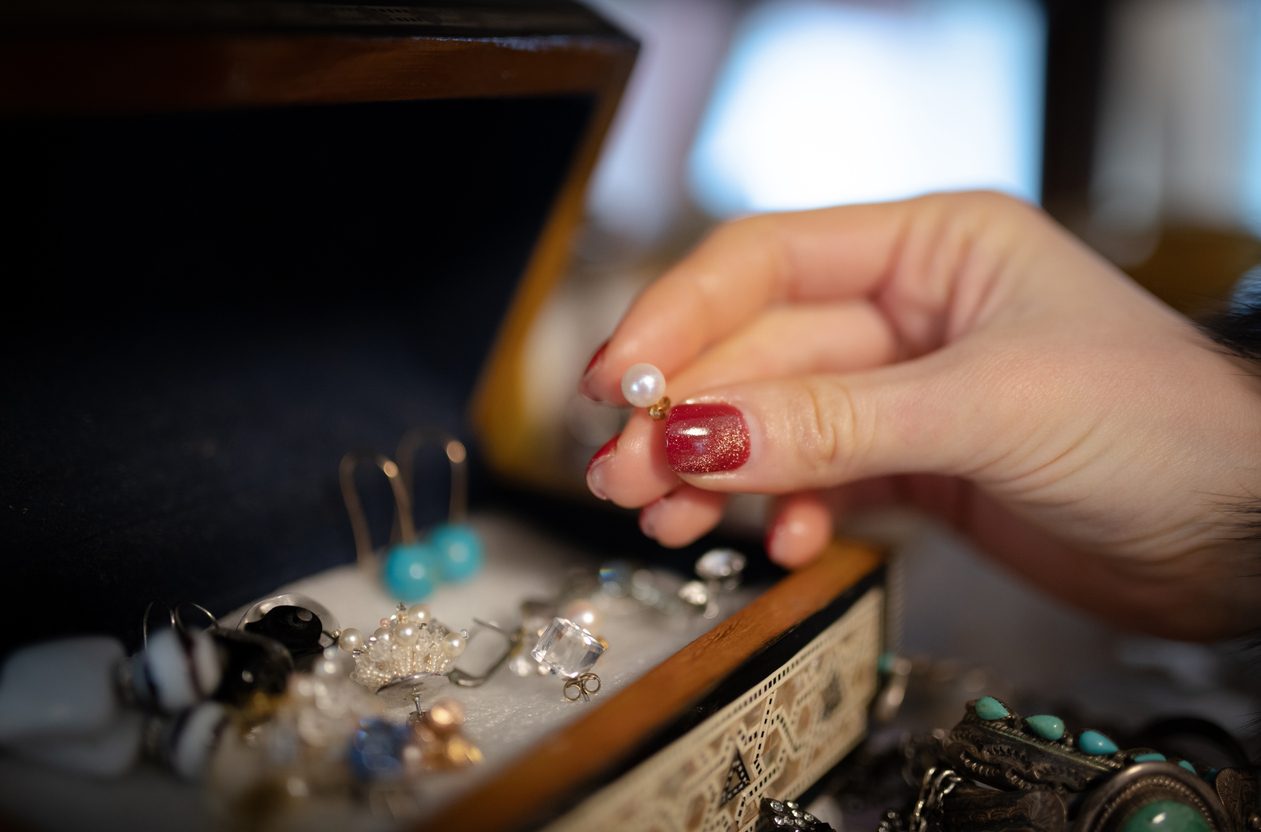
644	385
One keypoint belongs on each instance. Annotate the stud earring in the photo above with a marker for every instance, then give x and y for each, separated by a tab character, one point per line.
460	550
409	568
644	385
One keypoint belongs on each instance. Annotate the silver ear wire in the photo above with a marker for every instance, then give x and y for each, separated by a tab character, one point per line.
457	457
364	550
148	612
179	619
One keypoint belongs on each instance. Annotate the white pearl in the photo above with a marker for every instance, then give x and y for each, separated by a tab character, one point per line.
453	645
419	613
350	640
407	634
643	385
383	634
584	614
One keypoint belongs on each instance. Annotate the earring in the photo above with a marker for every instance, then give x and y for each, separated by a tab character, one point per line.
644	385
460	550
409	568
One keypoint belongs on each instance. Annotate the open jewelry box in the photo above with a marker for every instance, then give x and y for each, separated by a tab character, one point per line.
246	238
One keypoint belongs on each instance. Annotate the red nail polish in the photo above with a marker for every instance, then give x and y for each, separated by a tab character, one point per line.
605	449
706	438
595	359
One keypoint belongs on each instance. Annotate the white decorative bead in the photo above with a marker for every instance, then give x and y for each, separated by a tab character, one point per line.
378	651
453	645
109	753
643	385
584	614
192	739
176	671
383	635
59	688
407	634
350	640
419	613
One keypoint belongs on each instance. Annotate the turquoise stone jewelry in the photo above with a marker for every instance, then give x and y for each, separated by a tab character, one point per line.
459	549
410	569
996	770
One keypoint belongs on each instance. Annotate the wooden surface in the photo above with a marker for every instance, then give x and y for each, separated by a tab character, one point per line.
560	770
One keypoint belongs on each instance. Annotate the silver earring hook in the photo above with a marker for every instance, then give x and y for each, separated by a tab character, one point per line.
148	612
457	457
364	550
179	619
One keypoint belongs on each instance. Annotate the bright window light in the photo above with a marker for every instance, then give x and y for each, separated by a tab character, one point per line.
823	103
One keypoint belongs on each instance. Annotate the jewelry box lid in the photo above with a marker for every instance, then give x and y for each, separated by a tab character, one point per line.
247	238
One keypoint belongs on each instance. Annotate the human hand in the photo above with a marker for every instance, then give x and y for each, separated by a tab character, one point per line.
960	353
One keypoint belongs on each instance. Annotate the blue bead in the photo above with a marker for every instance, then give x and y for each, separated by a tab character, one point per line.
1096	744
459	551
1188	766
411	571
884	663
989	709
375	751
1046	726
1150	757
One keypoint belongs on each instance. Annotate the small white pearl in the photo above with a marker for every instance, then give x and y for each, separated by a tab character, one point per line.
407	634
419	613
584	614
383	635
350	640
643	385
453	645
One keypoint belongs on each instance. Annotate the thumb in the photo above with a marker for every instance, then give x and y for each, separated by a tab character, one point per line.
819	431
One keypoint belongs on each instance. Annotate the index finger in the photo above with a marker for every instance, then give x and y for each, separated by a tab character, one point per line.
739	270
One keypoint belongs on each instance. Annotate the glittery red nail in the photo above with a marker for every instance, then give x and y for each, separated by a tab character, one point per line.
595	476
595	359
706	438
605	449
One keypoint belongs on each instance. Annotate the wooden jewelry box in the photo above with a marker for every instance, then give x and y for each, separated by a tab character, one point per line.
247	237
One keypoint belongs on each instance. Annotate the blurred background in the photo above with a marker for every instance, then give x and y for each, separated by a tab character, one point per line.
1136	123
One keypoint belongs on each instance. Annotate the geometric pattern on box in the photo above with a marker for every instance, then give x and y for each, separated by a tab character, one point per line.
784	734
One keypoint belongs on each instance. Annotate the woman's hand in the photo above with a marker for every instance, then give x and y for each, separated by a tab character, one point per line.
963	354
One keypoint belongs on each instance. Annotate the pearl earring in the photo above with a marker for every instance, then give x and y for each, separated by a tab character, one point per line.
460	551
644	385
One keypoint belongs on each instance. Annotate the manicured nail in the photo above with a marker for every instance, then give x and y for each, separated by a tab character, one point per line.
706	438
647	519
591	368
595	477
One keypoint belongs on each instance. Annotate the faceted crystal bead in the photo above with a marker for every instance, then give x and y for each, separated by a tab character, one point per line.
567	649
724	566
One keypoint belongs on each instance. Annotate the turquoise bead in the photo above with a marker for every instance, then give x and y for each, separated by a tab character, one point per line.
1150	757
989	709
1165	816
1188	766
884	663
459	551
1096	744
411	571
1046	726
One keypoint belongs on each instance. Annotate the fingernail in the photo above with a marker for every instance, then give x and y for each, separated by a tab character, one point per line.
591	368
647	523
595	477
706	438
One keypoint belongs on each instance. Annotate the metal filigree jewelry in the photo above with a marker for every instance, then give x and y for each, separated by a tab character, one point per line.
996	770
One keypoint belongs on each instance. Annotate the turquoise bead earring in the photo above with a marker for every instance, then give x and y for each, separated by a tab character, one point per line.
459	549
409	568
